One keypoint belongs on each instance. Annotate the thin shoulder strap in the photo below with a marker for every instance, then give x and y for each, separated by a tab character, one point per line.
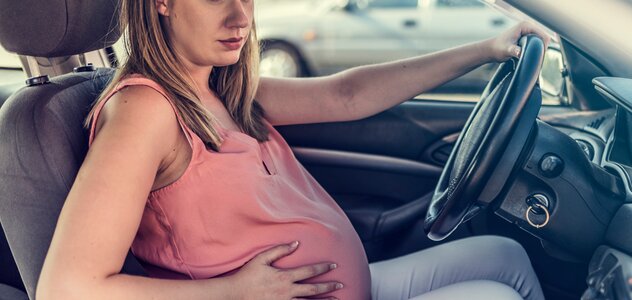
136	80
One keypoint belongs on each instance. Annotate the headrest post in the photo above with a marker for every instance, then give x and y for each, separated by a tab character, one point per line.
82	59
34	70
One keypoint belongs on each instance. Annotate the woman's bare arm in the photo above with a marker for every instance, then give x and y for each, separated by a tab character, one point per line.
364	91
102	212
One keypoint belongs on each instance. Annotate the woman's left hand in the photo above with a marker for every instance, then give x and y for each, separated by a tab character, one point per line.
505	46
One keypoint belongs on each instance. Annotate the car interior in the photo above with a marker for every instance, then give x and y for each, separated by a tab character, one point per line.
555	178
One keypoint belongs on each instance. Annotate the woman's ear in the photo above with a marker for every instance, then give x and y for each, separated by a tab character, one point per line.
162	6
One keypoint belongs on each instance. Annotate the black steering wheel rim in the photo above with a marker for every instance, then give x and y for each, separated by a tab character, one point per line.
509	105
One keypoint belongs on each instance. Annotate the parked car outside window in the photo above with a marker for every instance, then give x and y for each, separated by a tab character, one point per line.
321	37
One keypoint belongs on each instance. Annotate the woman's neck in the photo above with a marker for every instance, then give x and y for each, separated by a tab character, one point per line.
200	78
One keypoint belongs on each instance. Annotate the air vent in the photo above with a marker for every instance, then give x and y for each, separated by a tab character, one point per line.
595	124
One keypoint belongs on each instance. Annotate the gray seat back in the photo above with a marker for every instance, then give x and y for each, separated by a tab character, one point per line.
43	139
9	275
43	146
10	293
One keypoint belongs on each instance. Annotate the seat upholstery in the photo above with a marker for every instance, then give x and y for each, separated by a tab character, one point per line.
9	275
7	89
43	146
54	28
10	293
43	138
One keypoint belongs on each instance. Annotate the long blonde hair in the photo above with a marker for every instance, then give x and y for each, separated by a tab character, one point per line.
150	55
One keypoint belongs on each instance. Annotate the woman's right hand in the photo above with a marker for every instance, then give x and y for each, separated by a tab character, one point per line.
258	279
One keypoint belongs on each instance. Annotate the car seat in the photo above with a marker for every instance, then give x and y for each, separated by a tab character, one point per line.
41	125
11	287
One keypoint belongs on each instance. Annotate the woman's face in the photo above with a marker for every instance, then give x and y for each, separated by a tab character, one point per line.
207	32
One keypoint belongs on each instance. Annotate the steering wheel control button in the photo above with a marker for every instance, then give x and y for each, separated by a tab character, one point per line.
551	165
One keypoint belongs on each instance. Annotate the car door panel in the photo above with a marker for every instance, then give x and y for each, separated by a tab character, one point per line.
383	165
388	156
377	169
400	179
402	131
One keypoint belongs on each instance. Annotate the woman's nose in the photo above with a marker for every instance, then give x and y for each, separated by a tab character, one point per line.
239	14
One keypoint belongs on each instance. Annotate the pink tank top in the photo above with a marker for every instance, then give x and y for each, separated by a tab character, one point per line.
230	205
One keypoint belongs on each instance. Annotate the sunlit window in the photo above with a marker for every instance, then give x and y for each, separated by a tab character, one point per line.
315	38
304	38
392	3
459	3
10	68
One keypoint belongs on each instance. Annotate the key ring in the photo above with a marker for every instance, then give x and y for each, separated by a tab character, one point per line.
546	213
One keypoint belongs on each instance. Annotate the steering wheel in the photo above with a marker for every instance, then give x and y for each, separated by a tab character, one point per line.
491	142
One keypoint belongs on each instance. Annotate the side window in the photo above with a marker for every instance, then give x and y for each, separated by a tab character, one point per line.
393	3
10	68
459	3
305	38
119	51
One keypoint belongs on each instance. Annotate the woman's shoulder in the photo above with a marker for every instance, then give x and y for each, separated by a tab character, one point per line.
137	109
139	103
136	79
146	95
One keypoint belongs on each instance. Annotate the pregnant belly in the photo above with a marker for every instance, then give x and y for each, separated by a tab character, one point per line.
210	253
346	252
317	244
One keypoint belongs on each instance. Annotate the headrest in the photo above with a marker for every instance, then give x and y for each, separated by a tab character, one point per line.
53	28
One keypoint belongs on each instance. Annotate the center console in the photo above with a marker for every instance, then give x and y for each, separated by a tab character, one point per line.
609	276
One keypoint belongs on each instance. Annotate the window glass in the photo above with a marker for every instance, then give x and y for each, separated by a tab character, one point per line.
459	3
119	50
10	68
321	37
393	3
303	38
9	60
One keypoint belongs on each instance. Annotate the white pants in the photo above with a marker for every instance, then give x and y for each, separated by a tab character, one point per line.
485	267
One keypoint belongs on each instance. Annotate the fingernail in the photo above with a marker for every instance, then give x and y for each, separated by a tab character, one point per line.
294	244
333	266
339	285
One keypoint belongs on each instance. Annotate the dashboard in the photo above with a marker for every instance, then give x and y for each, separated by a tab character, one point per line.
591	130
610	269
590	198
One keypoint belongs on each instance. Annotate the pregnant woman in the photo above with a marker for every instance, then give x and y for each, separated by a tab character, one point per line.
186	168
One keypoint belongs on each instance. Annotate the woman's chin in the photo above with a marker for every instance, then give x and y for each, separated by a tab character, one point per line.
227	61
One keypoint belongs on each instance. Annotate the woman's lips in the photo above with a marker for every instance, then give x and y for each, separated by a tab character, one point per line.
232	43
